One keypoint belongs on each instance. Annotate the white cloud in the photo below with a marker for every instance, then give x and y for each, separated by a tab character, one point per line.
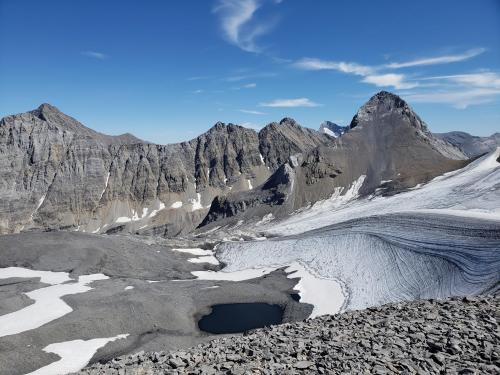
345	67
95	55
482	79
251	112
381	75
250	86
446	59
289	103
390	80
459	98
239	25
199	91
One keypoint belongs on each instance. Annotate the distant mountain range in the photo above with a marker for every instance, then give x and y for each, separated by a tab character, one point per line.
55	173
471	145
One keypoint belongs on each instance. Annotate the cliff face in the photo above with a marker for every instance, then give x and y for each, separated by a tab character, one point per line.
57	174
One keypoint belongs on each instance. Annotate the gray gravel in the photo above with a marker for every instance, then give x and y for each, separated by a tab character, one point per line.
453	336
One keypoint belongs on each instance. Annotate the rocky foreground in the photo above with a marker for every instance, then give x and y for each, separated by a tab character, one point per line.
459	335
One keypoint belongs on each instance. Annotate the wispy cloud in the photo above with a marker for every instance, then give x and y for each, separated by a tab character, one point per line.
384	75
242	77
251	112
481	79
250	86
289	103
370	73
461	90
344	67
398	81
239	24
95	55
446	59
199	91
460	99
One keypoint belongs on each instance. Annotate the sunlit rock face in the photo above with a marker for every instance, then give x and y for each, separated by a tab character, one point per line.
58	174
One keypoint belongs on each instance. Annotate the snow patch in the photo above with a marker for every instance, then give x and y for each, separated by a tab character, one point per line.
48	304
195	251
105	186
75	355
240	275
47	277
147	213
250	184
40	202
205	259
325	295
265	219
129	287
196	203
329	132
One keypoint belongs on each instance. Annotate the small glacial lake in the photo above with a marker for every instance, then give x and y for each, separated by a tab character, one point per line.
240	317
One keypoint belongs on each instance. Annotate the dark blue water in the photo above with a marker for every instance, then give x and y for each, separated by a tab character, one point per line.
240	317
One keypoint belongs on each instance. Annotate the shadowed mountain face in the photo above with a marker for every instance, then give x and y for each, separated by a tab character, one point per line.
387	145
57	173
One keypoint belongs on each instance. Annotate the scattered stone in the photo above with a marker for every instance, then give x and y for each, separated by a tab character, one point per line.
458	335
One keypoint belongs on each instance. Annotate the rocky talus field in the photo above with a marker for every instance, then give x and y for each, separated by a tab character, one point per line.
458	335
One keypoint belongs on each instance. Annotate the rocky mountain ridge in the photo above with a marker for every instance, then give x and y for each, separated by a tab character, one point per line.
387	149
58	174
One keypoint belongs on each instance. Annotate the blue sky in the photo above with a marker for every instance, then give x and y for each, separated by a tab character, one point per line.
166	71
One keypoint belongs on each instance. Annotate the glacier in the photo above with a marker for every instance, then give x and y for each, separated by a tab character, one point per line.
433	241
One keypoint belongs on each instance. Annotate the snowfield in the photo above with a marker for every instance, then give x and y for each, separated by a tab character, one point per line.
473	191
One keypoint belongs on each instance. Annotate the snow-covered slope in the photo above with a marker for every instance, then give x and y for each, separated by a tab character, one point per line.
470	191
433	241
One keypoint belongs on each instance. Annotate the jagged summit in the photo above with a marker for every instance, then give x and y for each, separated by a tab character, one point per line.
46	111
383	104
46	107
288	120
388	113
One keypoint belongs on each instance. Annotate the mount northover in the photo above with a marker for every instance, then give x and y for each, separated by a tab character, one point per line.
55	173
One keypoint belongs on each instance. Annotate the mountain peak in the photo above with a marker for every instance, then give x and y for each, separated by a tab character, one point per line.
48	107
288	120
385	103
45	111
